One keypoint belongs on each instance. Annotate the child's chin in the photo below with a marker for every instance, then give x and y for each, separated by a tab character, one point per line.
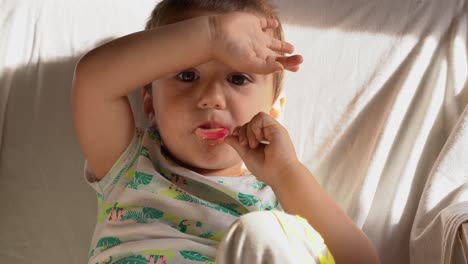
218	162
214	142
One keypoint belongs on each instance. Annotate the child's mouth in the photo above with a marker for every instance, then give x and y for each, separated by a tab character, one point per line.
212	133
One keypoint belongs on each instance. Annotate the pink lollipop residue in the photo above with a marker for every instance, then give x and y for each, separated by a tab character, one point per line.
215	133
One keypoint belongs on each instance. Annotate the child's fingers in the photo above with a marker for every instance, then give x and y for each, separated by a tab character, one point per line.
293	68
268	23
257	130
233	141
266	66
291	62
274	65
253	143
256	125
260	122
243	135
281	46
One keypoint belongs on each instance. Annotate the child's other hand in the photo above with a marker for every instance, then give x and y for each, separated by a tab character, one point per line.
245	42
264	161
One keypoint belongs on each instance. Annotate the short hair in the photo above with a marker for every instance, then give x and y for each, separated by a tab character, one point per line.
162	15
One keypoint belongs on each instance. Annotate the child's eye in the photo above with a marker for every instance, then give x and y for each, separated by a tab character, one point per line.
238	79
188	76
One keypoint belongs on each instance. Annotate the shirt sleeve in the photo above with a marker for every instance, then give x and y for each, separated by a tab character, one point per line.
104	186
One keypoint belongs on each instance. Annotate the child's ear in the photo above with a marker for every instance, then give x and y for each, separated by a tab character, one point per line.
277	109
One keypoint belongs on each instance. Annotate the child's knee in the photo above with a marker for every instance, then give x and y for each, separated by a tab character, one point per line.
255	237
275	237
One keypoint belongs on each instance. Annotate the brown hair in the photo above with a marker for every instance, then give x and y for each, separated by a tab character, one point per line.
161	15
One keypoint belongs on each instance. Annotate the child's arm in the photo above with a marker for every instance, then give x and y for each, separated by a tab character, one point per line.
299	193
297	190
104	76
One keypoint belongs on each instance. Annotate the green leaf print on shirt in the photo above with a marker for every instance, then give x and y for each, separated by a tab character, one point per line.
118	212
135	216
142	216
186	198
192	255
233	207
259	185
226	210
271	207
144	152
247	199
108	242
209	235
206	235
152	213
140	178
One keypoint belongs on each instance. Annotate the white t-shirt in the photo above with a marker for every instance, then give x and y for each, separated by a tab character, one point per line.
151	209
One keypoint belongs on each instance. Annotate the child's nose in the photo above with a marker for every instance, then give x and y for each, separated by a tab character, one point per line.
212	97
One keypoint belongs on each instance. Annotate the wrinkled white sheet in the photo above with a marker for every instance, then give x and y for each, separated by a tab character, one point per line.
378	112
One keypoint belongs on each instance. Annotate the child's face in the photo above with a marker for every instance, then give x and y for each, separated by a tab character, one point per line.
185	100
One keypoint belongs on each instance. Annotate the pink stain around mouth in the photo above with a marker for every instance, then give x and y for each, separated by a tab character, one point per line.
212	133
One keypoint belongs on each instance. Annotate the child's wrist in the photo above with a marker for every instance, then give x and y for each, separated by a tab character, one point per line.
285	172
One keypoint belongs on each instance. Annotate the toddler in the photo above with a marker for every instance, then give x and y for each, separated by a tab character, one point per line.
178	191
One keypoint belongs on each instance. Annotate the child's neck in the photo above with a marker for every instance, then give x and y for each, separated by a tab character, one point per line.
234	171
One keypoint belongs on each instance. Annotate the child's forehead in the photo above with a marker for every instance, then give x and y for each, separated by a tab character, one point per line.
217	66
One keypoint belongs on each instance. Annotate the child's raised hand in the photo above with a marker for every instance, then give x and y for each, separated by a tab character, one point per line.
264	161
245	42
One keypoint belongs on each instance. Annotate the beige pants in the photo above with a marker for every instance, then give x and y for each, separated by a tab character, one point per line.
272	237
